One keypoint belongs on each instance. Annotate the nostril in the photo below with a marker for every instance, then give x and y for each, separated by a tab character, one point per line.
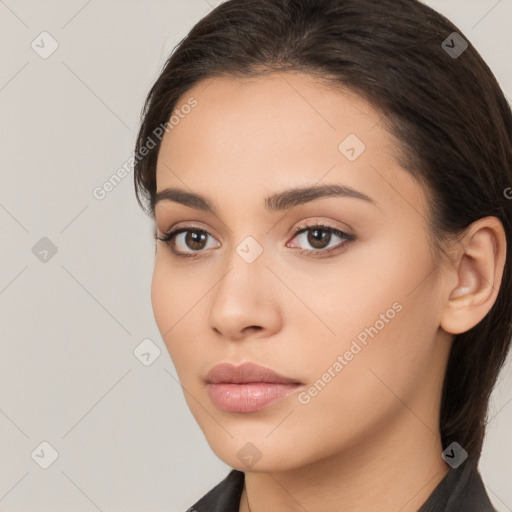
254	327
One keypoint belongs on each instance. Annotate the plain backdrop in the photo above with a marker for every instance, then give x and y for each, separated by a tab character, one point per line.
75	270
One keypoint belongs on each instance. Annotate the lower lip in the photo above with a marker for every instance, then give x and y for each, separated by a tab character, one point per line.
248	397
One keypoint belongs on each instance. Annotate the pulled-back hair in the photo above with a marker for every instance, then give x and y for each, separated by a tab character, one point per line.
438	98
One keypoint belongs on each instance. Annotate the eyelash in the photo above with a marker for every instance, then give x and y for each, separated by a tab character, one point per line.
169	236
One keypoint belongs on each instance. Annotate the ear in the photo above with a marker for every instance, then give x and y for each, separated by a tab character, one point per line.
477	269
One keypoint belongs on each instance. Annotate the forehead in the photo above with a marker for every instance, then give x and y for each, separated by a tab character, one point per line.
290	105
272	131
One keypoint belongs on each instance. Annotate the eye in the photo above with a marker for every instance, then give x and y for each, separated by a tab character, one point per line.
322	239
190	237
319	236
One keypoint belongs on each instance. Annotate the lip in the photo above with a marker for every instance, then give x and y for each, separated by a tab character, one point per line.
244	373
247	387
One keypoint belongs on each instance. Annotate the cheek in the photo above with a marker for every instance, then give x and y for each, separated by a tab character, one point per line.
379	310
162	301
173	292
176	302
171	298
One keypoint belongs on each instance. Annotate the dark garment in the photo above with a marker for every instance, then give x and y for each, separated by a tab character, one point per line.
461	490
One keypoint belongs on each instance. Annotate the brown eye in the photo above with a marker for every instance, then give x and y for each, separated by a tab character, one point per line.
195	239
316	239
186	241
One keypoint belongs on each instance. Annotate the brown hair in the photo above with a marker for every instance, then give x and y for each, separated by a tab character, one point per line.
439	99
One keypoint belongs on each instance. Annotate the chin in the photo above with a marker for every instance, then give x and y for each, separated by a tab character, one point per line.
258	455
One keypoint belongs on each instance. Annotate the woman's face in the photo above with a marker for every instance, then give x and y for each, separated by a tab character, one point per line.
352	317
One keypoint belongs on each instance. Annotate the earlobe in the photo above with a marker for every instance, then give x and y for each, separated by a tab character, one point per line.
478	270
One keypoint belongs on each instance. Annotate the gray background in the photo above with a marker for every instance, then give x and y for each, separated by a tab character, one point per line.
69	325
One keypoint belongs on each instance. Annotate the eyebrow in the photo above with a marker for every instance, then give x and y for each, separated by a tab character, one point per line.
279	201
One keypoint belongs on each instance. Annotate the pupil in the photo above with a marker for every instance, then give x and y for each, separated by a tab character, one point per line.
317	241
194	239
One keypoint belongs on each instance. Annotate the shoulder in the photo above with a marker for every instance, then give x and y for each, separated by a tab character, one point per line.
224	497
473	494
461	490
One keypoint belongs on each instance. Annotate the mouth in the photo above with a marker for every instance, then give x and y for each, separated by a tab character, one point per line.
248	387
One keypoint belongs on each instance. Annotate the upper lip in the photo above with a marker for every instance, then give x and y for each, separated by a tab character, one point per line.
246	372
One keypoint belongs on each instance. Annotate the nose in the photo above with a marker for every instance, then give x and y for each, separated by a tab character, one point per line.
245	301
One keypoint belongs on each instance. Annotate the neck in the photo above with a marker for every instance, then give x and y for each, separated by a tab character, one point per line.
396	470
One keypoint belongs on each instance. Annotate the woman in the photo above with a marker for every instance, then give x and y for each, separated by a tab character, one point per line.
328	181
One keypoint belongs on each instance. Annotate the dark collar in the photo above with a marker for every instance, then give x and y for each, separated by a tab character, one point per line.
461	490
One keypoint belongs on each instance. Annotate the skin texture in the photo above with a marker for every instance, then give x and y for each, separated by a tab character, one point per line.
369	440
